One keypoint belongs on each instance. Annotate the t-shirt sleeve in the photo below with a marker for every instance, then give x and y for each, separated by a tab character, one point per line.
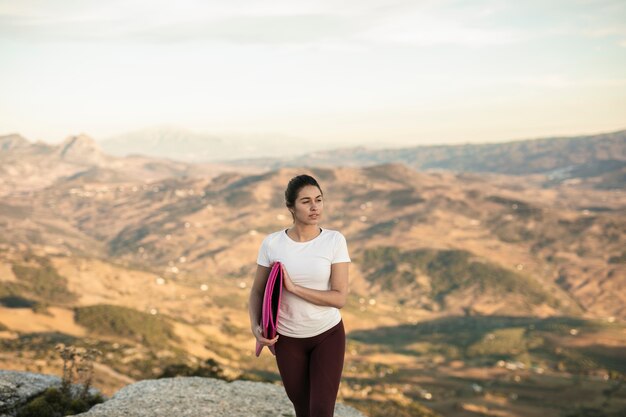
263	258
341	249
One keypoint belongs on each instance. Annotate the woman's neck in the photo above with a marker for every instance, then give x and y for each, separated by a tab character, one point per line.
302	233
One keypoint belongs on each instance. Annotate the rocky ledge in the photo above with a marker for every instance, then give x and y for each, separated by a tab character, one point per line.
181	397
17	388
201	397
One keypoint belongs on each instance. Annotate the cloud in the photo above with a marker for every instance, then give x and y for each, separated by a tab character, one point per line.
555	81
166	21
235	29
331	24
404	22
613	32
603	32
276	29
431	31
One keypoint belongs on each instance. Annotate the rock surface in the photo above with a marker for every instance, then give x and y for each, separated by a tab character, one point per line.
201	397
17	388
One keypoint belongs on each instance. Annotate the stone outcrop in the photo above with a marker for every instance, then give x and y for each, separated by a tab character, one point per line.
17	388
180	397
201	397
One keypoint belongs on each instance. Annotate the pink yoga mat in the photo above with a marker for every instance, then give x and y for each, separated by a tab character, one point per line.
271	306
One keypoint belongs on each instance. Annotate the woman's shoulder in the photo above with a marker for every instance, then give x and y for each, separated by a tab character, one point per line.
272	235
333	233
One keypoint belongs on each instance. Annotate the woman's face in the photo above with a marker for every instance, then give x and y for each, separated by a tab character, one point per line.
309	205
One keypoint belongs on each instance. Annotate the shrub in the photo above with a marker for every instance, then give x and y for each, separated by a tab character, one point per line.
126	322
63	401
210	369
43	281
390	408
449	271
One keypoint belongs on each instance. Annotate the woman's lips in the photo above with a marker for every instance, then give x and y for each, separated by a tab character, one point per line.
313	215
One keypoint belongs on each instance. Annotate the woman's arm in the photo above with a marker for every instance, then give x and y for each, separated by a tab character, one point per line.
335	297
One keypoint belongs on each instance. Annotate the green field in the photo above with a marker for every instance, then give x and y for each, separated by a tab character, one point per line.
525	366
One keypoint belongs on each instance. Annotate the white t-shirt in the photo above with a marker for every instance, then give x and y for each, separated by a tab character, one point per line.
308	265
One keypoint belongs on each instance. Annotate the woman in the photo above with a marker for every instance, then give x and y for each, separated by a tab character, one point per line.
311	340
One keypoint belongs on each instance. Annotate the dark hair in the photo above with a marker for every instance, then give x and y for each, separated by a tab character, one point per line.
294	187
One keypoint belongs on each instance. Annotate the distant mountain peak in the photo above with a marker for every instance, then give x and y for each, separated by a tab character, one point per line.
12	141
80	140
80	148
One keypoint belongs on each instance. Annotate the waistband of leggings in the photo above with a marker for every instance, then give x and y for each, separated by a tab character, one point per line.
325	332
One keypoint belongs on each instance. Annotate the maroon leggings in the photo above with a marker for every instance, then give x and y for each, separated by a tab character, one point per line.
310	368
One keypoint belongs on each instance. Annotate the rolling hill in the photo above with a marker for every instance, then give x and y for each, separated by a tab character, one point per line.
452	273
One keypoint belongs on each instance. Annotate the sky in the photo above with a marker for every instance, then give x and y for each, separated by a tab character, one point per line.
367	72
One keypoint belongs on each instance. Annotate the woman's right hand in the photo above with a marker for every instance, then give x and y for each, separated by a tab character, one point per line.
258	333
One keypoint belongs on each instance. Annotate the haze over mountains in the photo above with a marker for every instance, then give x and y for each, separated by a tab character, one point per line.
184	145
601	157
510	240
558	157
28	166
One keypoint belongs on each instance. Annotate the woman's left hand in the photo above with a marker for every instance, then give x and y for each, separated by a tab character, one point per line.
287	282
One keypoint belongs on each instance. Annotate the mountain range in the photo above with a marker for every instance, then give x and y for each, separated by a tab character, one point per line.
185	145
599	161
26	166
560	158
152	259
601	156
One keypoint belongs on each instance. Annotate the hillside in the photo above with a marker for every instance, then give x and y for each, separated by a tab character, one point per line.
156	275
591	161
26	166
598	160
559	240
